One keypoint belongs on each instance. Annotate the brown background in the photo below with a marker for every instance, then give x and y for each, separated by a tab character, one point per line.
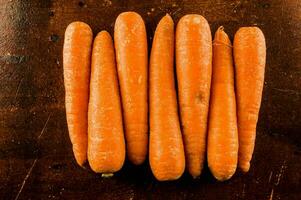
36	161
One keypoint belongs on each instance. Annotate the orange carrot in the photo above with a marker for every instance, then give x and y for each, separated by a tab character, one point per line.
249	57
166	151
131	54
222	135
194	65
106	145
76	56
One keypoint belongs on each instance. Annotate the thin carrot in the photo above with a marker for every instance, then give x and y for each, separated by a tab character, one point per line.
131	54
249	57
194	66
76	59
106	145
166	151
222	135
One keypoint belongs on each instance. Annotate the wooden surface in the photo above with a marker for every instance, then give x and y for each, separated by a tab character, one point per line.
36	160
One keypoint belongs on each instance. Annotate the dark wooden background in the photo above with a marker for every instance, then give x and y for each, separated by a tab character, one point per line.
36	160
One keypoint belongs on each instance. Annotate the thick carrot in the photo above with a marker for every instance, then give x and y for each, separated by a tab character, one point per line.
76	58
222	135
166	151
131	54
249	57
106	145
194	65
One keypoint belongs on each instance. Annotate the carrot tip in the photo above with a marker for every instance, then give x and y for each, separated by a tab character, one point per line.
103	32
166	19
195	174
221	28
83	165
136	160
221	38
81	24
244	167
129	14
222	178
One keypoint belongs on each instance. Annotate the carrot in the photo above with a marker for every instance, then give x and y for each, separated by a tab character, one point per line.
106	145
249	57
131	55
222	135
166	151
76	60
194	65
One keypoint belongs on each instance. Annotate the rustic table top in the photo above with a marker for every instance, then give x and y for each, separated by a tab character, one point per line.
36	161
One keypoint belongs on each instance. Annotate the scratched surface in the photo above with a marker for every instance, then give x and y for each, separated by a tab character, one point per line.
36	161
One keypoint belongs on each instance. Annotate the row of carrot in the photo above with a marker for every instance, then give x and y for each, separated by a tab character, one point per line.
112	105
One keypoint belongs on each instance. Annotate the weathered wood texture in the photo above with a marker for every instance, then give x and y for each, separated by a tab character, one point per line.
36	161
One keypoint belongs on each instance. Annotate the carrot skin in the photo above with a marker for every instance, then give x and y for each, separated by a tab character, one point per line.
166	151
249	57
76	61
106	145
131	55
222	135
194	68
